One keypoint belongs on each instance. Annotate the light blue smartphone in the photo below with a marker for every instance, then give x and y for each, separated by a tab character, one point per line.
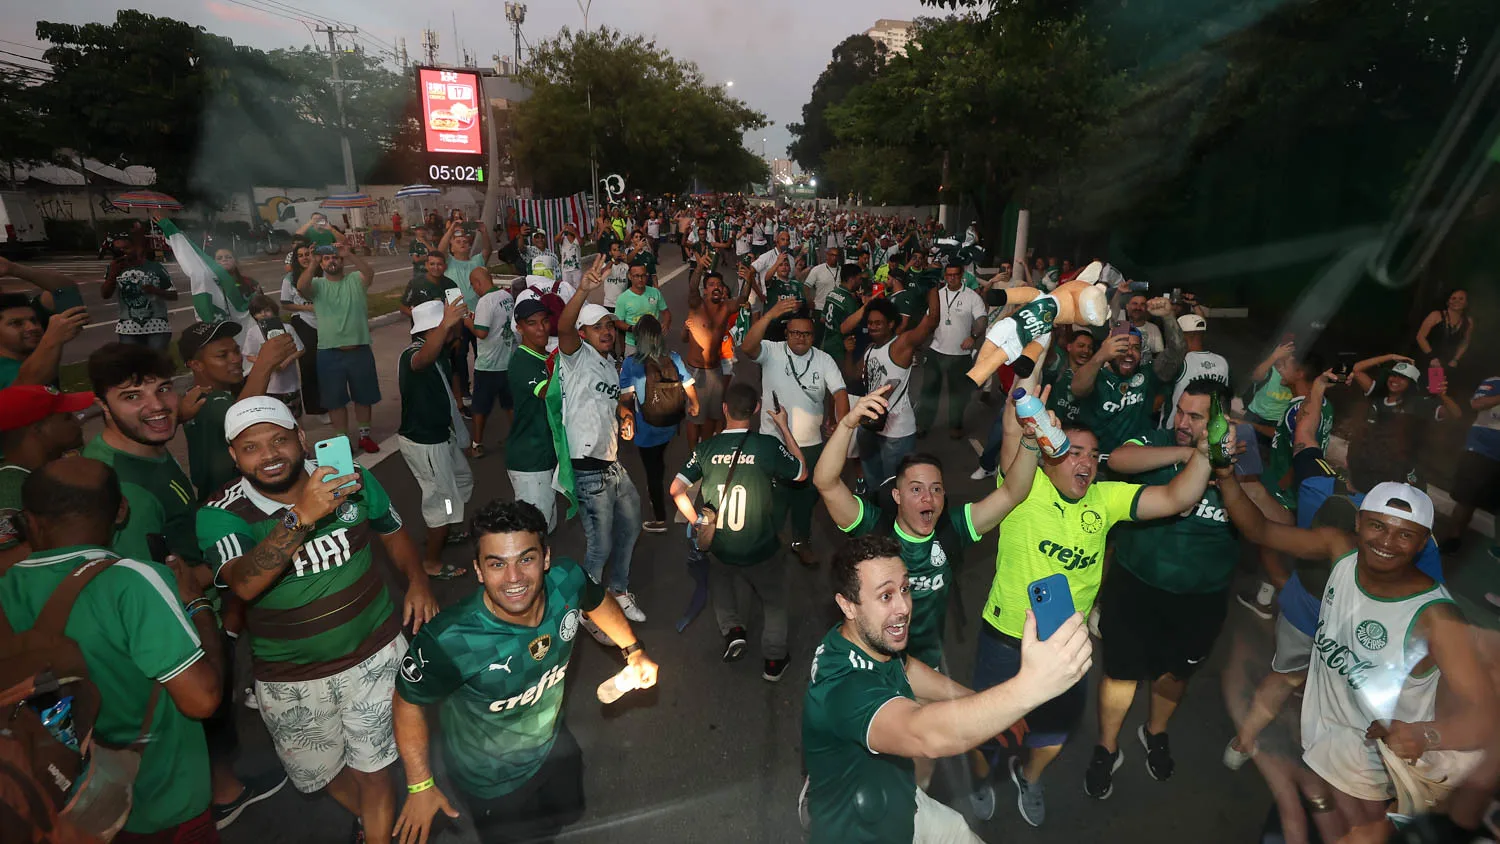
335	452
1051	602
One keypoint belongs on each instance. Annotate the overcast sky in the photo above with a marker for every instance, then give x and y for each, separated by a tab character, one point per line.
773	50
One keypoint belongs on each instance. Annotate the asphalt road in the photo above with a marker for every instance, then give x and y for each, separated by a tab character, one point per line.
390	271
713	753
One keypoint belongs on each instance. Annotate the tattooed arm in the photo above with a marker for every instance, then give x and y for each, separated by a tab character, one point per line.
253	572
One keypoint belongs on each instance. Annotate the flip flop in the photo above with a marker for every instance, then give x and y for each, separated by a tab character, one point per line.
447	572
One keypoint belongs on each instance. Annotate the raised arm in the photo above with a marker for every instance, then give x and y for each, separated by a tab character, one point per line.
568	340
1361	374
434	347
1010	443
750	346
366	272
1320	544
1263	369
1310	414
305	280
1168	364
905	346
255	571
1184	490
1134	458
445	244
988	512
1113	348
842	506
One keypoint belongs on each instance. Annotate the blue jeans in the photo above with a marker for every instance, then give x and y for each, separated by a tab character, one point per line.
997	658
880	455
989	459
611	511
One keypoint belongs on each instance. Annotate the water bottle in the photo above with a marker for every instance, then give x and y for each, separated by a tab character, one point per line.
1049	436
615	687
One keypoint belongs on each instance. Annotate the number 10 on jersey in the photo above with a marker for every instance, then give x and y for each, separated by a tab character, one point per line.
731	508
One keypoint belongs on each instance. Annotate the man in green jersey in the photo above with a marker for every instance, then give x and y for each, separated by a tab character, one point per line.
293	542
1163	605
738	527
530	459
1117	396
638	301
870	711
134	634
495	666
841	308
431	285
212	353
37	426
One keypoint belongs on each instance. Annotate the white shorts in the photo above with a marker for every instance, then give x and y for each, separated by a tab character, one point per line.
1349	763
535	488
939	824
1293	648
442	471
320	726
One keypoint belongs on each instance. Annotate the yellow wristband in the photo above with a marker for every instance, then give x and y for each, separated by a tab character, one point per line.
421	786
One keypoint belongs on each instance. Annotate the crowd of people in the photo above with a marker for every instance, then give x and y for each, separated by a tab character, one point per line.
810	365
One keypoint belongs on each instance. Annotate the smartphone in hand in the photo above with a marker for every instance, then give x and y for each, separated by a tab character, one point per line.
1051	602
336	452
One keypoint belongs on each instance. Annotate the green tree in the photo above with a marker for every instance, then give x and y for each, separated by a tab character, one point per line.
855	62
654	120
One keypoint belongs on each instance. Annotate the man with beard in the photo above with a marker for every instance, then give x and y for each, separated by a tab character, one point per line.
28	353
495	666
870	711
1117	396
1164	603
293	542
1060	528
346	364
219	380
703	332
37	425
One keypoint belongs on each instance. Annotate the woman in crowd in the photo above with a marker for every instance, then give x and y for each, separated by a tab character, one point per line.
651	355
305	324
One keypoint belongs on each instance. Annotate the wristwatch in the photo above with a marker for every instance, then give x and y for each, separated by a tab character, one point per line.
633	647
293	522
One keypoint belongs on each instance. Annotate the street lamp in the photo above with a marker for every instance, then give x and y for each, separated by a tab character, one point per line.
729	84
813	182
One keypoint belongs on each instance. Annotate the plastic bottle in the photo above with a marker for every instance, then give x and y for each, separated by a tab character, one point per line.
1219	455
1049	436
611	690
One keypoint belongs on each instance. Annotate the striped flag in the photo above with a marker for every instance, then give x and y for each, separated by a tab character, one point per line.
551	214
215	295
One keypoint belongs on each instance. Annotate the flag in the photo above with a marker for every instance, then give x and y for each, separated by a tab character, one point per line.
215	295
551	214
562	479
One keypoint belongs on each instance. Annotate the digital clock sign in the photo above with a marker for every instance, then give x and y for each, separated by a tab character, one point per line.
451	105
449	173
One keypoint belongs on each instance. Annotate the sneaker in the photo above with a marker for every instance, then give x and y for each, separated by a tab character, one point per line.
981	473
255	791
805	555
626	601
804	816
599	635
1098	780
773	670
1158	754
367	445
1260	602
466	412
654	527
1030	797
734	644
1234	758
982	800
249	699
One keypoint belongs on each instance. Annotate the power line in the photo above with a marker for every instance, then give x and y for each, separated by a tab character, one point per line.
32	47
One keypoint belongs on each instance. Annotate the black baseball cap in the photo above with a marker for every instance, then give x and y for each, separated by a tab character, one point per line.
200	334
529	308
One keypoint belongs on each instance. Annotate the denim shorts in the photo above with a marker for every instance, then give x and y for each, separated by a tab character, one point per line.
997	659
345	374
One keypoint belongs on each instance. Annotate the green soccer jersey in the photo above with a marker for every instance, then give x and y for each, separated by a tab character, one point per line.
10	369
422	289
418	249
855	795
426	404
161	501
928	568
746	532
500	685
1121	408
133	635
11	478
209	463
1277	477
528	447
783	288
1067	406
912	304
329	610
839	306
1190	553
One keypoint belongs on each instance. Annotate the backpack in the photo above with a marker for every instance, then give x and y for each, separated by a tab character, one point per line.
665	402
50	791
554	304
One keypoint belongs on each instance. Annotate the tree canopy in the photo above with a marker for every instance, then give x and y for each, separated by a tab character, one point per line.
653	119
855	62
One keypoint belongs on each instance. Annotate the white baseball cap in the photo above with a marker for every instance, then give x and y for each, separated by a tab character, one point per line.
1407	370
427	315
590	315
253	411
1192	322
1403	501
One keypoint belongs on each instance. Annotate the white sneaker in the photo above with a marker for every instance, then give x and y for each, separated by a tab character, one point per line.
804	817
599	635
981	473
627	606
249	699
1234	758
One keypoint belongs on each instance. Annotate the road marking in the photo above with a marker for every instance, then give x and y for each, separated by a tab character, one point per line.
662	282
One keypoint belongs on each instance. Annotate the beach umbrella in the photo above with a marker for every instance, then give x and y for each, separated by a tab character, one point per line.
348	200
412	191
147	199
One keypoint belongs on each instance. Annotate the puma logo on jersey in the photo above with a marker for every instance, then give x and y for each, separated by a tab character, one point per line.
550	678
323	552
1127	400
1060	508
1071	558
496	666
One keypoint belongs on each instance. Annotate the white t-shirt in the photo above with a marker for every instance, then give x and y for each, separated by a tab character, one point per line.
289	294
572	254
496	314
742	244
590	402
283	381
822	279
957	311
653	228
1196	365
801	383
617	282
878	369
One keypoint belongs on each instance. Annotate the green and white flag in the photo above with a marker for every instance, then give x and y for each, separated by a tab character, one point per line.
215	295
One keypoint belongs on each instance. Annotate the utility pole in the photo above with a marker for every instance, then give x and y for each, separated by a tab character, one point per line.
457	54
338	90
401	55
430	46
516	14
